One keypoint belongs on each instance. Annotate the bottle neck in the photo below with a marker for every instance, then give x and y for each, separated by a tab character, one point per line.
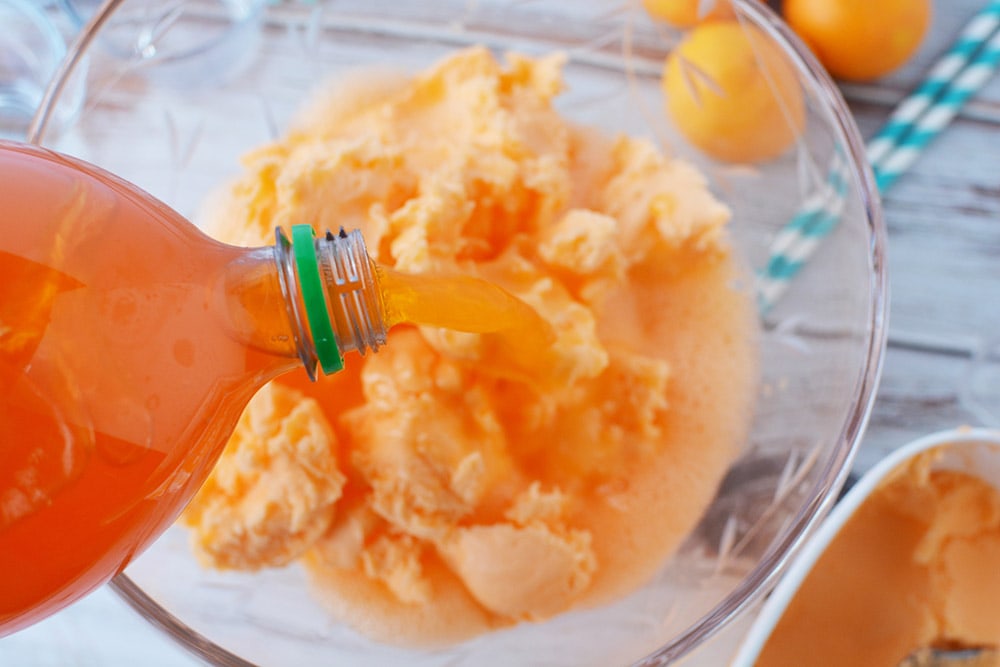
331	294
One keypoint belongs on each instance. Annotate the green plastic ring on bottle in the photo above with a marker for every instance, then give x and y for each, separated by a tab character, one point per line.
304	250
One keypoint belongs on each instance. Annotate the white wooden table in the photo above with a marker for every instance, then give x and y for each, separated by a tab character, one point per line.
944	258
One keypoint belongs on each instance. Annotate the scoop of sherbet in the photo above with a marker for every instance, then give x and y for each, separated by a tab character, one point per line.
427	442
552	564
271	494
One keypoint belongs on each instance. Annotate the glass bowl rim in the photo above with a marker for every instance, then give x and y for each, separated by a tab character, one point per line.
822	496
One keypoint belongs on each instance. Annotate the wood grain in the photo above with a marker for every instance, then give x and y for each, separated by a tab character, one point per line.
944	255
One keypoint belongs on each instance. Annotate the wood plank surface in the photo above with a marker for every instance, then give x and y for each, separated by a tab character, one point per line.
943	219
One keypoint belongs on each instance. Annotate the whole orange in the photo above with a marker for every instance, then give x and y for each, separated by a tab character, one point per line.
860	40
733	93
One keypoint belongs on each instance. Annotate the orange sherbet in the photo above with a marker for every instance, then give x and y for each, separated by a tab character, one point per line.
915	567
480	491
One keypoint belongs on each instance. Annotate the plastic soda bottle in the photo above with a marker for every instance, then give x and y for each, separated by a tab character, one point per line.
130	342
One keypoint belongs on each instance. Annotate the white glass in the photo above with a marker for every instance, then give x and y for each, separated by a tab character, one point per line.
31	49
189	44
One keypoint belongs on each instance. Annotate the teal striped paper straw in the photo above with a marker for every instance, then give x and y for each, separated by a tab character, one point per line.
939	115
949	84
938	78
799	238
